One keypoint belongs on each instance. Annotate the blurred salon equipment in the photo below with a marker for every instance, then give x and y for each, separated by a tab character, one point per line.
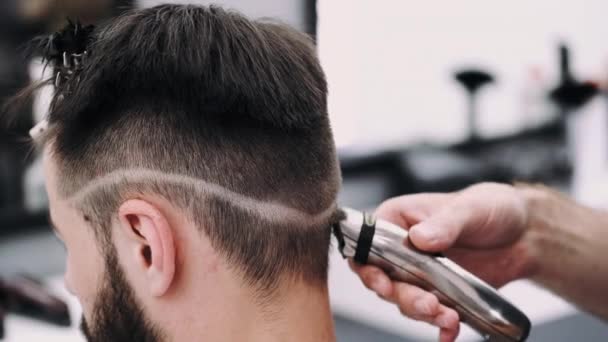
570	94
472	80
534	154
13	76
26	296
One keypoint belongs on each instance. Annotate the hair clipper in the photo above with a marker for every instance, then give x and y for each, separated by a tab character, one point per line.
369	241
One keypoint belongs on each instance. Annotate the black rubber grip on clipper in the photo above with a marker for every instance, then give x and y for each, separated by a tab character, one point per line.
366	237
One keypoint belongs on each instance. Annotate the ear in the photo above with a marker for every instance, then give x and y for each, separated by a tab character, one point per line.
151	243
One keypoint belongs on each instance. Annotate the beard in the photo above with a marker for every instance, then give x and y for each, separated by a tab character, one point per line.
117	316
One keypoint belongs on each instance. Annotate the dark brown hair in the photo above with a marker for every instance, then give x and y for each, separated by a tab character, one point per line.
208	94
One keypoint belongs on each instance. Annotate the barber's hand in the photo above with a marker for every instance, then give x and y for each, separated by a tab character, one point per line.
481	228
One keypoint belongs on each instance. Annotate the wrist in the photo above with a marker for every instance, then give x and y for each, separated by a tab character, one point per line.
562	242
535	200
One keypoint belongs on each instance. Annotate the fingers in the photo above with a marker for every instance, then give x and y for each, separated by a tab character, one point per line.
448	322
408	210
449	335
411	300
442	229
416	303
373	278
438	233
435	220
421	305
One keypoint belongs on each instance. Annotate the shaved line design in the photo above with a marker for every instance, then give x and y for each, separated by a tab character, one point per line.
271	211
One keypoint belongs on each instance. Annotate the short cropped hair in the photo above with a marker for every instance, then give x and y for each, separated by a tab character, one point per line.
205	94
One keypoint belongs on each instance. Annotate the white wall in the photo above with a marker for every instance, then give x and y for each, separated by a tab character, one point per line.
389	62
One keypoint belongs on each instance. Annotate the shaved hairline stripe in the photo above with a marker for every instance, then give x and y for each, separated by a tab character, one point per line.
271	211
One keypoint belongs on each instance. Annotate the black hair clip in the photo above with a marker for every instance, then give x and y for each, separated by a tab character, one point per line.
66	50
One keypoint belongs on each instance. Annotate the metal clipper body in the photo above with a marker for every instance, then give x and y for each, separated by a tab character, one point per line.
383	244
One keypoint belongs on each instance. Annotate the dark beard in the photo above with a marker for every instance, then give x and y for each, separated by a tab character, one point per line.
117	316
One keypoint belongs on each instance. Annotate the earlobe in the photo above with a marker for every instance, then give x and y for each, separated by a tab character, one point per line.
152	234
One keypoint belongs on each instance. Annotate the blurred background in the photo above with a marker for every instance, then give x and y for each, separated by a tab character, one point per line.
424	96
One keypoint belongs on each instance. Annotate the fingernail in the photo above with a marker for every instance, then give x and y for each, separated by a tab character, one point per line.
423	307
427	233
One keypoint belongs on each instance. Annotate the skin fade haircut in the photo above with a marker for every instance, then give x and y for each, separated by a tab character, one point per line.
224	117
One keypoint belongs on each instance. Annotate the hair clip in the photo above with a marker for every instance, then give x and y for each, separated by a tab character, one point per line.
78	59
65	50
57	79
66	63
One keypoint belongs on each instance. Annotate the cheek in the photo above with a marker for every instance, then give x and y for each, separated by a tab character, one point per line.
83	275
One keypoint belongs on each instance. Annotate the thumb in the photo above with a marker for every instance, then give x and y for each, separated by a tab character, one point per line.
440	231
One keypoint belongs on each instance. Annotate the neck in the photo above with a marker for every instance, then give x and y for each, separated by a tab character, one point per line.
300	313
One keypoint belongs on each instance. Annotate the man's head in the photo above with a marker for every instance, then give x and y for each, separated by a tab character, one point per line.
190	157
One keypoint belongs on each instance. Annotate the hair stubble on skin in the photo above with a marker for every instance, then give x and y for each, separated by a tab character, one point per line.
117	315
201	201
